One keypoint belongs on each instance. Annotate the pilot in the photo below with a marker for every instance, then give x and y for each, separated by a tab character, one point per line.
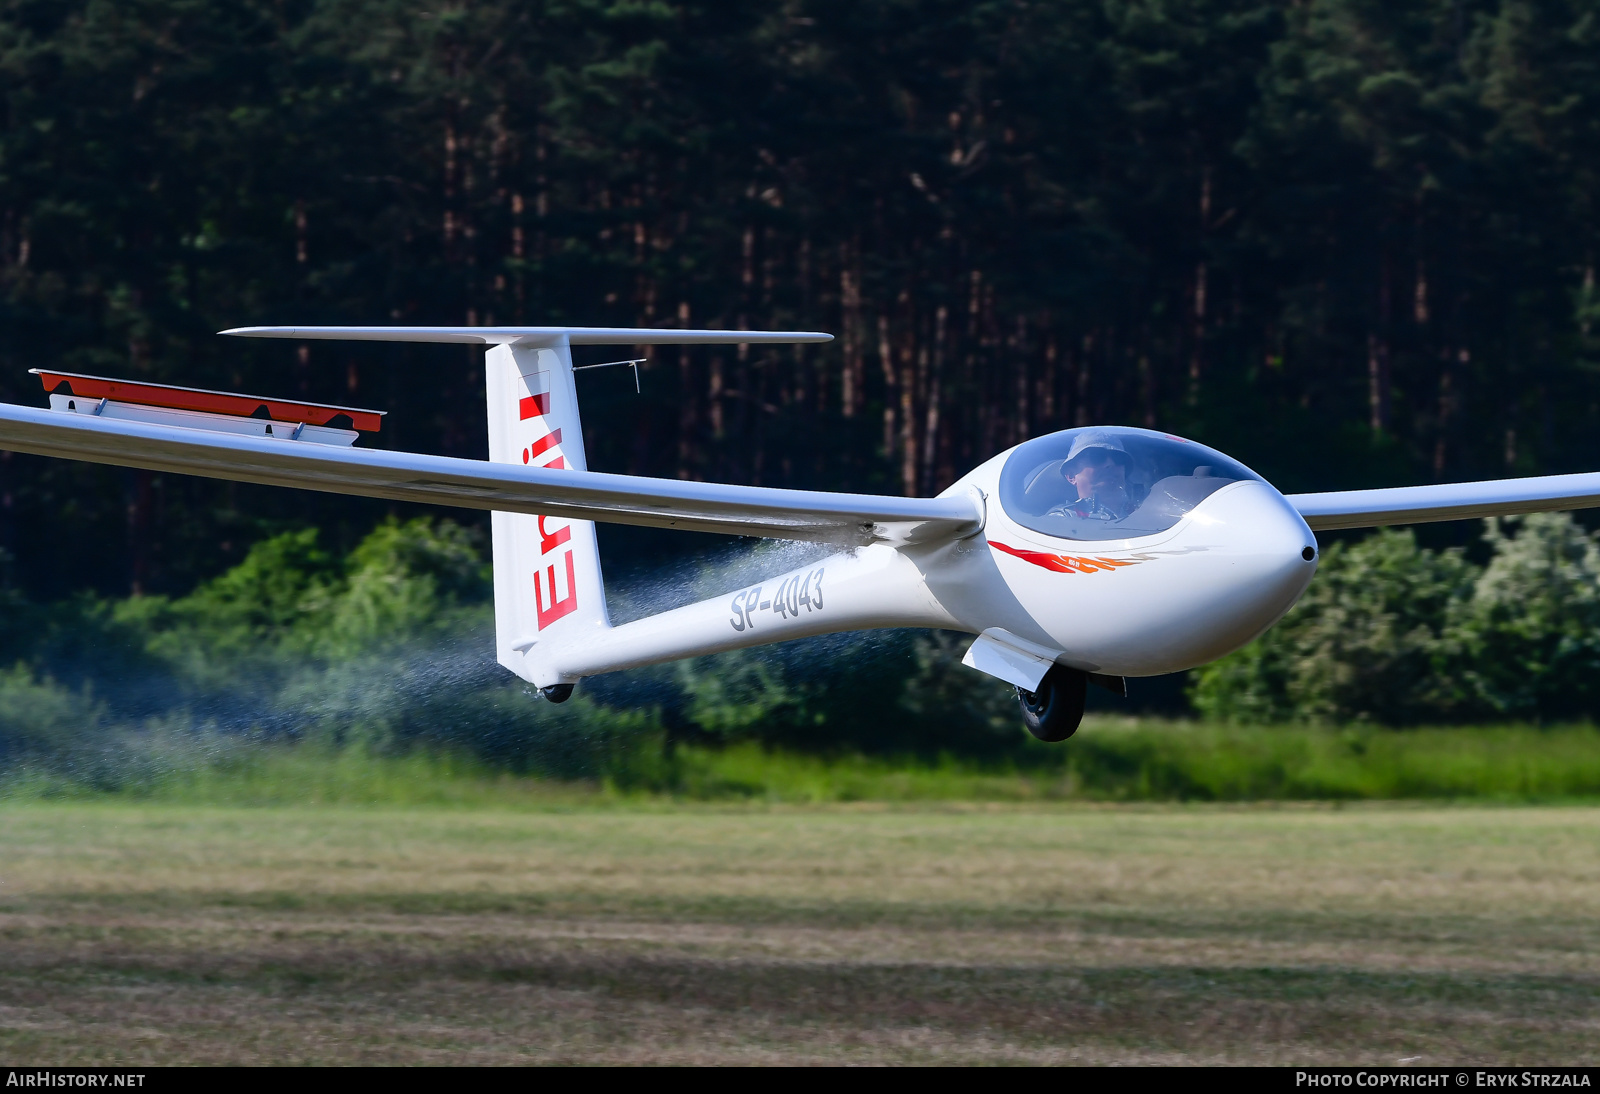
1097	467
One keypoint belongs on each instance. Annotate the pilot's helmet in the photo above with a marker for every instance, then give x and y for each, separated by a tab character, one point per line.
1107	442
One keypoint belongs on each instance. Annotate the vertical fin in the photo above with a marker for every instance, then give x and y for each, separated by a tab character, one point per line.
547	585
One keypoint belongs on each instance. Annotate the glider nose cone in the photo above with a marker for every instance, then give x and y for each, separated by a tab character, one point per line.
1259	555
1236	563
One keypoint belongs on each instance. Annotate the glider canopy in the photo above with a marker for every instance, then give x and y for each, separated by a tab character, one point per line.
1138	482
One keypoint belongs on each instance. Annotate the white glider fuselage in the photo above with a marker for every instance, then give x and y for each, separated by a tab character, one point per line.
1224	571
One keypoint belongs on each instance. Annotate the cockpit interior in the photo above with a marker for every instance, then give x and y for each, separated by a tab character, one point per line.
1111	482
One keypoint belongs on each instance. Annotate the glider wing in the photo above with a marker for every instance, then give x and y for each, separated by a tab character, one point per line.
1447	501
475	484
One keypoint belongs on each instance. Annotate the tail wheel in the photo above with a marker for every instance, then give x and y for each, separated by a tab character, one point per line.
1053	710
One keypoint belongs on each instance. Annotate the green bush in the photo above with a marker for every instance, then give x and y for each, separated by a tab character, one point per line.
1530	636
290	599
41	721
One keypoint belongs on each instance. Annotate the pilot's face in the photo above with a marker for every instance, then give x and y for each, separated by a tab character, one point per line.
1096	472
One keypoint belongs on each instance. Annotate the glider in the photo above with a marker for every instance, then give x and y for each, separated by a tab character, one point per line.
1083	556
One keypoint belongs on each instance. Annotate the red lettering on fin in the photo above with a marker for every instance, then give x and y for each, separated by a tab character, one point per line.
534	405
558	608
549	541
545	443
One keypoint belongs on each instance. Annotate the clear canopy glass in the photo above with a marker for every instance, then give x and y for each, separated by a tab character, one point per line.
1111	482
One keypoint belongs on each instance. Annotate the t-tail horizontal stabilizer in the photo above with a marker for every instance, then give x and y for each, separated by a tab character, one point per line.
539	336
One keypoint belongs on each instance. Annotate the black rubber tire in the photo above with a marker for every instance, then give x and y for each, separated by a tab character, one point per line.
1053	711
557	693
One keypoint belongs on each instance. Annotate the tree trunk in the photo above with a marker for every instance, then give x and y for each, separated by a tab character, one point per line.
1447	408
930	426
1197	330
1045	399
850	375
1081	415
1020	426
1378	382
913	359
890	392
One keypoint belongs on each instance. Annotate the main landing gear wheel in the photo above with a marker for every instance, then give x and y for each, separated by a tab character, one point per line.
557	693
1052	711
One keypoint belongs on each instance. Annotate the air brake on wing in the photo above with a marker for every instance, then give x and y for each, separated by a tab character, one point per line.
196	408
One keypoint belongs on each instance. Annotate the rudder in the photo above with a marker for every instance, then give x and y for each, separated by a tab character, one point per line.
547	584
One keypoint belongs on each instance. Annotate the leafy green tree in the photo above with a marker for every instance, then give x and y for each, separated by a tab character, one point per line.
1531	631
404	584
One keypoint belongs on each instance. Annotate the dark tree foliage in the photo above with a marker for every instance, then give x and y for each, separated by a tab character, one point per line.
1351	242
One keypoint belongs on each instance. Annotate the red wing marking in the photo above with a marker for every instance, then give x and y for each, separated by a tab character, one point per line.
534	405
1066	564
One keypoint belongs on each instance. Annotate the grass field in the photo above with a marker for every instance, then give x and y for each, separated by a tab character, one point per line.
179	933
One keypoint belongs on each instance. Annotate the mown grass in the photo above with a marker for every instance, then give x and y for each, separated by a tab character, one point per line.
158	933
1109	760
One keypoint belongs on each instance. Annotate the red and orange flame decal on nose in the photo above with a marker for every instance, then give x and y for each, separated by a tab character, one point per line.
1066	564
